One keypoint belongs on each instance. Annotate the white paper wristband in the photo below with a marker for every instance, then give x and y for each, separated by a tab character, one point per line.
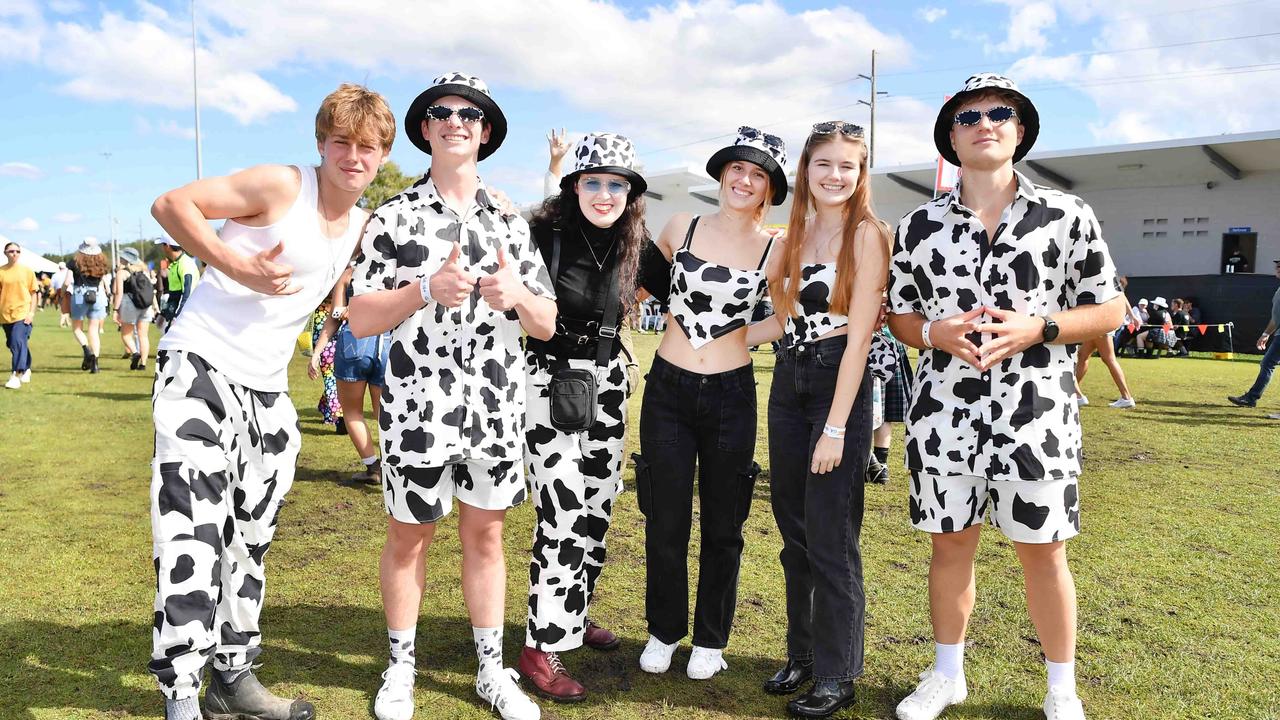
924	333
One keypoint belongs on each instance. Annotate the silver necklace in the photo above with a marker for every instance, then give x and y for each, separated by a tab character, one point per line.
330	271
597	260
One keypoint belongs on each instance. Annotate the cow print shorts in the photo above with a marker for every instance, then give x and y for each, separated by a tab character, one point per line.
418	495
1026	511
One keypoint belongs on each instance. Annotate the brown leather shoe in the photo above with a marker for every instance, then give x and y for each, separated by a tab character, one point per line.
549	678
598	638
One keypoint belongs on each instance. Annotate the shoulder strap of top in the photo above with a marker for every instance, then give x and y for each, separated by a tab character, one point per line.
688	237
767	249
308	191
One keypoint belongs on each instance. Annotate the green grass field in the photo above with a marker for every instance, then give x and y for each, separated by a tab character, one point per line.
1176	569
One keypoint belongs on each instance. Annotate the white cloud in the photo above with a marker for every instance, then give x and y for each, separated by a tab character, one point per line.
931	14
1027	25
169	127
21	29
21	169
26	224
74	169
68	217
1164	92
66	7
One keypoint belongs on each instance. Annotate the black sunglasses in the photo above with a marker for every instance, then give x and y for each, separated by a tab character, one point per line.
751	133
996	115
844	128
467	115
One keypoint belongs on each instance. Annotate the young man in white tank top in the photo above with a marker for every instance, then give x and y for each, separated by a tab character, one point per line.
227	434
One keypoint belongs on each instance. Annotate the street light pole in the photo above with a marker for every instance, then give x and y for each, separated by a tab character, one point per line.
195	91
111	217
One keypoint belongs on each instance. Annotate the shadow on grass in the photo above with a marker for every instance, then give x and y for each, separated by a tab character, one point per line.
51	665
121	396
337	477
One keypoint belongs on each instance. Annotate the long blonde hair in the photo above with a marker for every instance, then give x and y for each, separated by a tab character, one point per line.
784	284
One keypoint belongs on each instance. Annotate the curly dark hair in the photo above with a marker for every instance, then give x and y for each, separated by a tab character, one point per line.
562	209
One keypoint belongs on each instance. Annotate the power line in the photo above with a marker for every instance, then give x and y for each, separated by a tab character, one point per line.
1146	77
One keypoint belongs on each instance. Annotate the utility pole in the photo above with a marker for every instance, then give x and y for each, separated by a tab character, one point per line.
195	91
111	217
871	131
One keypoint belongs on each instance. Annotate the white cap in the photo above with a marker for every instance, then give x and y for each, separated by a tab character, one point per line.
1143	301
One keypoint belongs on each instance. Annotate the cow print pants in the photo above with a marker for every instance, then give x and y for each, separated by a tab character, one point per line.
575	477
224	459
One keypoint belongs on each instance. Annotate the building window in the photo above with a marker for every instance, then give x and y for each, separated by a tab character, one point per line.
1161	233
1148	234
1149	221
1162	221
1202	233
1188	233
1202	221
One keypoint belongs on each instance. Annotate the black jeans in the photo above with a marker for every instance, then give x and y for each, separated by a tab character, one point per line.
710	420
819	516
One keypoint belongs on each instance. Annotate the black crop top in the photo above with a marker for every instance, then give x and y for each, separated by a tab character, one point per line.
580	284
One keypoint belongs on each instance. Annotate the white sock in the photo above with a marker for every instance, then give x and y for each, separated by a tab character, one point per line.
1062	676
488	648
184	709
369	460
949	659
402	645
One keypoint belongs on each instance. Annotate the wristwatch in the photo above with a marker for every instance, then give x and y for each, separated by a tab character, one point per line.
1050	329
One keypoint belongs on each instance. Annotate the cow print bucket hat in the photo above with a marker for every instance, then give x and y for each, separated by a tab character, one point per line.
603	152
759	148
467	87
975	85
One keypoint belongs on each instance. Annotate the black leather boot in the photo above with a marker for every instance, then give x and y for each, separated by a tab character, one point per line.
246	699
825	698
790	678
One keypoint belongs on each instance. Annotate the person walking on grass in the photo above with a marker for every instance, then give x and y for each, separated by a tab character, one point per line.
180	280
359	365
994	282
1270	346
590	235
699	405
455	281
19	296
134	298
827	285
227	436
88	300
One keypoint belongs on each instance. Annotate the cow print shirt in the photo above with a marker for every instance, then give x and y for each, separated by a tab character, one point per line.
455	376
813	318
710	301
1017	420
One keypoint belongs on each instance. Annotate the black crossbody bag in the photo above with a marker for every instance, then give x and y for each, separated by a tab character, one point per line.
573	390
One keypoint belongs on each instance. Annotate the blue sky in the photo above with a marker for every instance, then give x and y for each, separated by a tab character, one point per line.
83	78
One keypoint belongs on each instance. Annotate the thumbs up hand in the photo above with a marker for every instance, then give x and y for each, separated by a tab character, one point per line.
451	284
263	274
501	289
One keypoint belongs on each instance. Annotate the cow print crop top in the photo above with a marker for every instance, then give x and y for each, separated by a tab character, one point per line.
710	301
813	318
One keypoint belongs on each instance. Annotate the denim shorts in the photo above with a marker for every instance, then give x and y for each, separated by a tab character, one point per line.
361	359
80	310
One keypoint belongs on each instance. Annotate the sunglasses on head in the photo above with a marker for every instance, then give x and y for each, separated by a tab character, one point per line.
593	186
844	128
996	115
751	133
467	115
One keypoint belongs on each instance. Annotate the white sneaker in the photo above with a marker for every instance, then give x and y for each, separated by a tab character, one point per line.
14	383
704	663
502	693
934	693
25	376
1081	401
1061	704
1124	403
395	698
656	657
